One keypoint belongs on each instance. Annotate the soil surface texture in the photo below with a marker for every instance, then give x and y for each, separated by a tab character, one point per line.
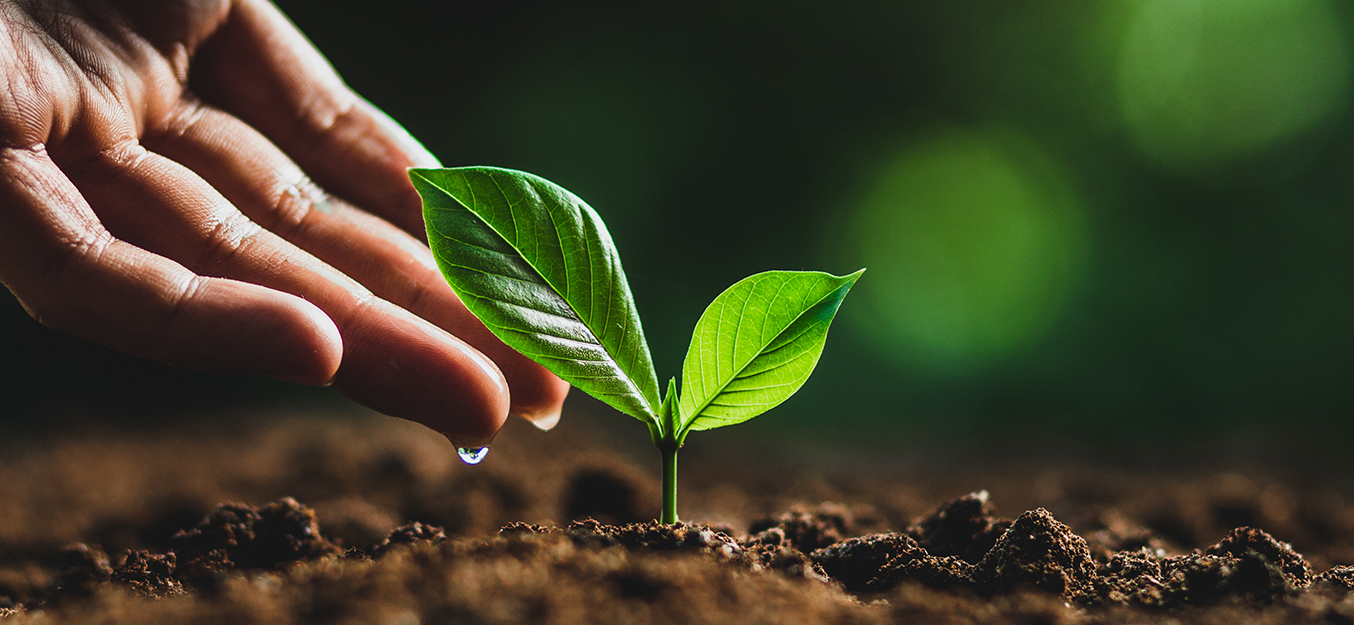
363	519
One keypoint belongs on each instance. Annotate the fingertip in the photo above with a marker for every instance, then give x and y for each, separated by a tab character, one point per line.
537	394
246	328
543	421
316	360
403	366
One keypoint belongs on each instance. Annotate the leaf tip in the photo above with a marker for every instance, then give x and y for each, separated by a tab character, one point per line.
849	280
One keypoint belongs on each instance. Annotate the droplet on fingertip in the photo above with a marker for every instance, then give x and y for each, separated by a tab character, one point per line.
472	455
545	422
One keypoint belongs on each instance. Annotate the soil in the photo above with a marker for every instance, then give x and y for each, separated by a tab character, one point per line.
343	518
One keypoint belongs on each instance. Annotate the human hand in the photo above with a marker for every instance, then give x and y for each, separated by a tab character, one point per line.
163	174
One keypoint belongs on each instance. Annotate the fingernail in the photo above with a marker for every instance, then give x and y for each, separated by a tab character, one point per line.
544	422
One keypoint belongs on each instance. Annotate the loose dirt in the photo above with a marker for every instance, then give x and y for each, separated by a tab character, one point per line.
342	518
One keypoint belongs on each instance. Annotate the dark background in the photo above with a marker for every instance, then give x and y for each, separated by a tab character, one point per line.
1110	221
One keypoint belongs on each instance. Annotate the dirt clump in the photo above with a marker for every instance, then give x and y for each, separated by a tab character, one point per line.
1038	550
857	562
966	527
149	574
411	534
1279	559
239	536
946	572
1247	565
1337	580
808	529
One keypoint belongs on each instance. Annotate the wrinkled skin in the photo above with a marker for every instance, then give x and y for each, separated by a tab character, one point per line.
189	181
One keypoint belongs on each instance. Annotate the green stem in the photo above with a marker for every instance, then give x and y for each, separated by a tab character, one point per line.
669	483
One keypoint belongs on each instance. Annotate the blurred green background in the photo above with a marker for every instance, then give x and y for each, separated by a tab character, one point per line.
1107	220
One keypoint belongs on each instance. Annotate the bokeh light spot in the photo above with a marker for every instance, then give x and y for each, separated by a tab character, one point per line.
1206	82
973	242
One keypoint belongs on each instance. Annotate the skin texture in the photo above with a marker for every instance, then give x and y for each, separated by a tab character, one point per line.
190	181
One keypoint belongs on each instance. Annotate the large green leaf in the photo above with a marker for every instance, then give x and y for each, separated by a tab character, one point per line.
538	267
756	345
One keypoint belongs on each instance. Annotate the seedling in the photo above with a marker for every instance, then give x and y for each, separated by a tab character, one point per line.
537	266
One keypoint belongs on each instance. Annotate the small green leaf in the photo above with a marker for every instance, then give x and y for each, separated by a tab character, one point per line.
667	412
537	266
756	345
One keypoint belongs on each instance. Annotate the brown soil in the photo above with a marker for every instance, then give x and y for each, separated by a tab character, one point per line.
366	519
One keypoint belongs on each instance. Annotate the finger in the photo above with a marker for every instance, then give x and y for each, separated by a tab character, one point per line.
392	360
72	275
258	67
266	186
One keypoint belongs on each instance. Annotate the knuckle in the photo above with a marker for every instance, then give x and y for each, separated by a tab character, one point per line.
292	204
365	300
183	120
117	157
166	349
75	254
418	296
325	111
229	238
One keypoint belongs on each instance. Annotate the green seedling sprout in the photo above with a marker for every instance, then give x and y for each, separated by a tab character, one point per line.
537	266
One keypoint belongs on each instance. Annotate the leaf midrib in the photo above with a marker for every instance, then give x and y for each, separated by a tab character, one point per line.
734	375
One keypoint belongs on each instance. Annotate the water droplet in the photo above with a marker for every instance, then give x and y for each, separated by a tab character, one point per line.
472	455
